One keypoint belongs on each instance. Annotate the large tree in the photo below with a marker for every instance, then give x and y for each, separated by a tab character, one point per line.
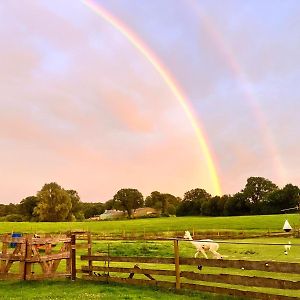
256	192
54	203
128	200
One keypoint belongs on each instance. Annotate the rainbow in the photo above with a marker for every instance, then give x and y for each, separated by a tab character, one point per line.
170	82
229	58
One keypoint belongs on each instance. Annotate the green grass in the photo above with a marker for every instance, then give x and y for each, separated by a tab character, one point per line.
156	225
86	290
160	226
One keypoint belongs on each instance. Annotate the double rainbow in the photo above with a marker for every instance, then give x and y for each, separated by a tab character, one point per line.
170	82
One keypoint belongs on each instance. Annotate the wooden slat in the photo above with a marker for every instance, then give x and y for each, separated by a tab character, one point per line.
235	292
9	239
155	260
49	240
85	269
268	266
143	282
243	280
14	257
63	255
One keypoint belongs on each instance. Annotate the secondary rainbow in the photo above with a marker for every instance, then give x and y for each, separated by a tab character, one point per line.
168	79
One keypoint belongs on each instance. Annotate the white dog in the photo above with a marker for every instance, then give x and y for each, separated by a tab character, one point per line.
203	246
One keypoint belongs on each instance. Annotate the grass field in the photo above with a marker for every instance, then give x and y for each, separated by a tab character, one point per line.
91	290
260	224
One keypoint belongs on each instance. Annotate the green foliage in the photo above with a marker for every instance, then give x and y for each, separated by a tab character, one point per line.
54	203
192	203
256	191
166	203
282	199
92	209
14	218
27	207
128	199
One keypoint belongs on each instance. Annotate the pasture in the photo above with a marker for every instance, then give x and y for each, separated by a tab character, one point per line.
245	249
255	224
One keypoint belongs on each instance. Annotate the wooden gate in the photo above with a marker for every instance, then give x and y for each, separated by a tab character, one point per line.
31	258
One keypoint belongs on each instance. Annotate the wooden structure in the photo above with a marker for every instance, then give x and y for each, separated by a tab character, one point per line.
31	258
276	280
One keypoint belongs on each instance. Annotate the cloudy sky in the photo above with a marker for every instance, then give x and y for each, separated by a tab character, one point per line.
82	106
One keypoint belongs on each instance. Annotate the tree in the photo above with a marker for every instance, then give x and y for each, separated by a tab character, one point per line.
256	192
92	209
236	205
192	202
27	206
128	199
76	209
54	203
287	197
166	203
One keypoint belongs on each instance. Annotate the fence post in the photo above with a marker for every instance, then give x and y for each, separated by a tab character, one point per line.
28	252
177	266
89	240
73	257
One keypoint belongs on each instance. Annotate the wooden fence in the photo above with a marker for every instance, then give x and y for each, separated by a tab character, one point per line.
192	273
31	258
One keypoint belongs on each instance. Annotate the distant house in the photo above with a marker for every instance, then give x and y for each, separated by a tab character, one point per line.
112	214
145	212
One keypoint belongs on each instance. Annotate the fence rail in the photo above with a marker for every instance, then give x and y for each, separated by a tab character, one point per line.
175	275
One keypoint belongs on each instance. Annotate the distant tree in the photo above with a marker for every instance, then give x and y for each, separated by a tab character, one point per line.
92	209
110	204
256	192
27	206
196	194
76	209
54	203
236	205
287	197
128	199
166	203
191	204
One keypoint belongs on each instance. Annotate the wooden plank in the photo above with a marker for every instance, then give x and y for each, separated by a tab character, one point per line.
49	240
268	266
10	239
235	292
143	282
243	280
155	260
85	269
13	257
56	256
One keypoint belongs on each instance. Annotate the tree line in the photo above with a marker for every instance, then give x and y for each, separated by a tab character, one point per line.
54	203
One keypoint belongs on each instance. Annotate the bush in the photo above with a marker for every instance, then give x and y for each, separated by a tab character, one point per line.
14	218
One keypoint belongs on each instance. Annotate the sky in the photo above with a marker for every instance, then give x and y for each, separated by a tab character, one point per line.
82	106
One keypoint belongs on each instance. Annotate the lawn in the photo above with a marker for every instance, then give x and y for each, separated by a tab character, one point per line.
83	290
